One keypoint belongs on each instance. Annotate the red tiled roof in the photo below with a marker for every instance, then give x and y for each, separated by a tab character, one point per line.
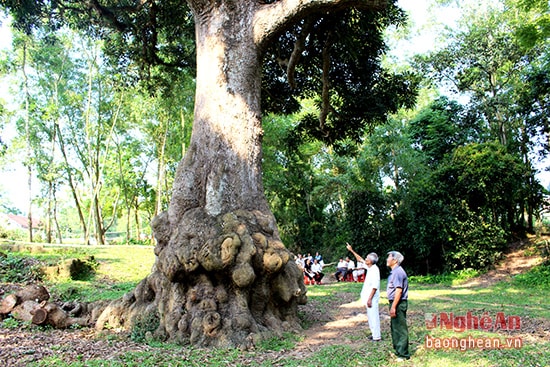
23	221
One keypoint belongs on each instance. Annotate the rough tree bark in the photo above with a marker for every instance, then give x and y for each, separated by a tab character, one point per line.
222	277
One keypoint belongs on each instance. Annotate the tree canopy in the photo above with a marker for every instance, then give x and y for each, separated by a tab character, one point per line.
330	56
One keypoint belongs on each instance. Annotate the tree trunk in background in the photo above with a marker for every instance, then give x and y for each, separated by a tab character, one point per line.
28	139
97	217
72	185
161	172
51	199
136	219
56	222
48	224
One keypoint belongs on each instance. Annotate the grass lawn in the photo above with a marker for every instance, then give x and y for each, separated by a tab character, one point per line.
121	268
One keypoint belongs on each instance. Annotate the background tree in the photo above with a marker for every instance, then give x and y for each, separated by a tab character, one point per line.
25	117
3	146
291	180
51	69
487	61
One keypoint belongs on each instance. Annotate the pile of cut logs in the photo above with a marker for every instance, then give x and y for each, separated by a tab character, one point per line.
31	304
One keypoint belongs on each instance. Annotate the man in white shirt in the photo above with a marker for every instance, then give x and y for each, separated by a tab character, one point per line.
370	293
300	262
359	270
341	269
317	270
351	268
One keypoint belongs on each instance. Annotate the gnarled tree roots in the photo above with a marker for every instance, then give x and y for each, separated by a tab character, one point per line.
217	281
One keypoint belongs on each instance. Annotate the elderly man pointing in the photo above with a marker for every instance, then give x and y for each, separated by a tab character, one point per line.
370	293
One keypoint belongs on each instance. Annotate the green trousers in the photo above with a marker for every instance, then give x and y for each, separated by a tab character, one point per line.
400	331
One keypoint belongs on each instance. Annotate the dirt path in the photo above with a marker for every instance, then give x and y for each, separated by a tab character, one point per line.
519	260
333	322
343	318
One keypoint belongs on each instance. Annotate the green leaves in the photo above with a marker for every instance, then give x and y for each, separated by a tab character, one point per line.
340	69
19	269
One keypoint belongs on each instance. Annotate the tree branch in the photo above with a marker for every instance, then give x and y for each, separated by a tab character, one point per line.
108	15
297	52
325	94
272	18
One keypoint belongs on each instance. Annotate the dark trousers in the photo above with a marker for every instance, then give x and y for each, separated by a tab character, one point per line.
340	271
318	277
400	331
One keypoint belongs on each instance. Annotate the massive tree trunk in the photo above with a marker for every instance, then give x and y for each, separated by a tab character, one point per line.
222	277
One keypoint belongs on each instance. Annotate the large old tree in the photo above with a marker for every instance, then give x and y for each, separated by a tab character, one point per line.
222	276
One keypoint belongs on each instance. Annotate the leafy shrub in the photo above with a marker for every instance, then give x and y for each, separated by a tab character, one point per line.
73	269
121	241
144	326
83	269
142	242
14	269
13	234
477	245
539	276
68	291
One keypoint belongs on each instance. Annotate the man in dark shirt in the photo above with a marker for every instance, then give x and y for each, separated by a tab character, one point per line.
398	293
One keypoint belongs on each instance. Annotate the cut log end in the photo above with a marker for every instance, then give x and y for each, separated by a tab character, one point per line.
39	316
8	304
